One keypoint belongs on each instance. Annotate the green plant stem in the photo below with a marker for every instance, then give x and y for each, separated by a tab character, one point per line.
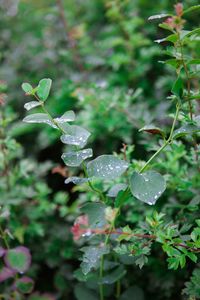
167	142
118	289
4	237
188	79
83	164
101	288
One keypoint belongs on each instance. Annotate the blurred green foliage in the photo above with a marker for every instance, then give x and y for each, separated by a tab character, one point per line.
104	65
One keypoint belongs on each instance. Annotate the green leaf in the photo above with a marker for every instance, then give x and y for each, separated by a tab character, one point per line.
114	191
74	159
185	130
44	88
177	88
192	256
122	197
173	262
193	62
76	180
95	213
27	88
92	256
182	261
141	261
18	259
159	16
39	118
83	293
148	186
153	130
76	135
113	276
165	26
190	9
24	285
68	116
106	167
37	296
133	293
31	104
198	222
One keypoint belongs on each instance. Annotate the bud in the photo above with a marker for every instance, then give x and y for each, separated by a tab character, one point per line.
110	214
179	9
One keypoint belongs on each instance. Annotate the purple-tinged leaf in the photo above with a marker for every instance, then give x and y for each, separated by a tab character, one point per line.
6	273
2	251
18	259
37	296
24	285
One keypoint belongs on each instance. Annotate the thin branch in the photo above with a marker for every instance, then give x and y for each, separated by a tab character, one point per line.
137	235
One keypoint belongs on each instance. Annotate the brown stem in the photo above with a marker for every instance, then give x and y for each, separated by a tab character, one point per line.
138	235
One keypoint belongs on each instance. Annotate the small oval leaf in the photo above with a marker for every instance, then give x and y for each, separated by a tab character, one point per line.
147	187
76	180
76	135
24	285
68	116
39	118
159	16
27	88
74	159
31	104
44	88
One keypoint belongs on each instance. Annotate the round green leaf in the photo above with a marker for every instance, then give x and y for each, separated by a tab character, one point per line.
24	285
18	259
147	187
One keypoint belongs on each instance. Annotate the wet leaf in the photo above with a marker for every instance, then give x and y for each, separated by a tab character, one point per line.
76	180
75	158
31	104
186	130
91	257
147	187
68	116
76	135
106	167
44	88
39	118
159	16
95	213
113	192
